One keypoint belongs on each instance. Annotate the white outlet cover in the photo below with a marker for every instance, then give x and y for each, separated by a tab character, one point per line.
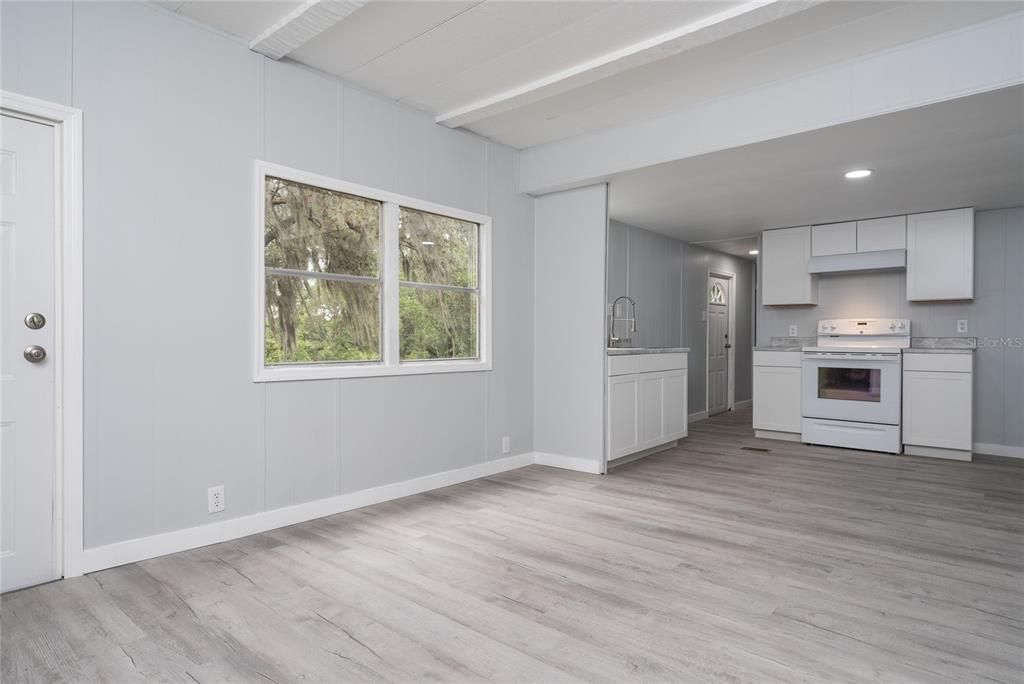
961	325
506	445
793	331
215	499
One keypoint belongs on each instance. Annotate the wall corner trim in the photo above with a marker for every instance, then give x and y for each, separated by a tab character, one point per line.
143	548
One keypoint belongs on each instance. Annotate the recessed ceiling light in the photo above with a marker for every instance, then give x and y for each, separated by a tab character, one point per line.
858	173
753	251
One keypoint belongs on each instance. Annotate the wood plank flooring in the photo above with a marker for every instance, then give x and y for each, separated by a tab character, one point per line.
707	562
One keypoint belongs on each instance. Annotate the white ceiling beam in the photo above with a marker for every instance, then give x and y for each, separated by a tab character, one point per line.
946	66
301	25
716	27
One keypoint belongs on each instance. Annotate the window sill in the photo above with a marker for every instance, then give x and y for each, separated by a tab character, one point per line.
372	370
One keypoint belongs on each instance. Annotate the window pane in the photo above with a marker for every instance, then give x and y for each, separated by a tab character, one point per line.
311	320
313	229
437	249
437	324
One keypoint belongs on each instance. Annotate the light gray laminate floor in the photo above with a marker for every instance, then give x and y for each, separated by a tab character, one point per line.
704	563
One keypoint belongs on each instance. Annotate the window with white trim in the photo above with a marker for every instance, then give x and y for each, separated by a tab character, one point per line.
357	282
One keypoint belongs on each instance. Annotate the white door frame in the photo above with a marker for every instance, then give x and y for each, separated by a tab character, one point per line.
68	354
731	356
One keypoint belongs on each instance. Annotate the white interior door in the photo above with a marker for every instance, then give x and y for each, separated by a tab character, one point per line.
27	402
718	344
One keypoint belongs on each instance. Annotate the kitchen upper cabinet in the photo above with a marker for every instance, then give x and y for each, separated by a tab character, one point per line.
881	234
937	405
834	238
777	393
784	277
940	255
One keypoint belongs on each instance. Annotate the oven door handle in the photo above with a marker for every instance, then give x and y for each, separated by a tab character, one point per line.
849	357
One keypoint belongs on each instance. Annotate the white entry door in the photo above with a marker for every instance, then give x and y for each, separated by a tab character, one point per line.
27	316
718	345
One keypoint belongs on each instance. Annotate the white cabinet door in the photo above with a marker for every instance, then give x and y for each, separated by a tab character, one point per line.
777	398
876	235
652	409
937	409
623	415
834	238
784	276
940	255
675	406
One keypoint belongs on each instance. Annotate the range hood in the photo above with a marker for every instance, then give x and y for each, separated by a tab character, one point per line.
884	260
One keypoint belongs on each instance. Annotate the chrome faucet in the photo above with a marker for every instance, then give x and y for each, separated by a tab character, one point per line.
612	339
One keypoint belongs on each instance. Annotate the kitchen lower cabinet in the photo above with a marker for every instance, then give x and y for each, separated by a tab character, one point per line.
937	405
647	402
777	395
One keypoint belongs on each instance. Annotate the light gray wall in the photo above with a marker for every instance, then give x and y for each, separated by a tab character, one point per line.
668	280
571	229
174	116
997	311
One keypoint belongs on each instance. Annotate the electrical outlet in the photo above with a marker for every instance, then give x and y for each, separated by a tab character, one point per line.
793	331
961	325
506	445
215	499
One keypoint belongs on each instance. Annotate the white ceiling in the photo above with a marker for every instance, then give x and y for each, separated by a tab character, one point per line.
529	72
965	152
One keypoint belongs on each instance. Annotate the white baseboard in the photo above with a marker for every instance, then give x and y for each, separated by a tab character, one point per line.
695	417
998	450
746	403
133	550
583	465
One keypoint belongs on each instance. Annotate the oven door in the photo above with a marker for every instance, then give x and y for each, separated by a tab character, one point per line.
850	386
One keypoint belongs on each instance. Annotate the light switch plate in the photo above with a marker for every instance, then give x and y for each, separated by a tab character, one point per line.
961	325
793	331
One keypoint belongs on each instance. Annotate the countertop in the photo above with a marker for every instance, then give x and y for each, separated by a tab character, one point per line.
938	350
646	350
780	347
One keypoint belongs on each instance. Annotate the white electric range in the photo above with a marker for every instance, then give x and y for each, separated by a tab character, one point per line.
852	384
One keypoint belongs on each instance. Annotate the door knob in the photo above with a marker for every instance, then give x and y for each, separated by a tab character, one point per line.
35	321
34	353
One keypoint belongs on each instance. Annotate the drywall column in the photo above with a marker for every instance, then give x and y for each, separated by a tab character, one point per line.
569	327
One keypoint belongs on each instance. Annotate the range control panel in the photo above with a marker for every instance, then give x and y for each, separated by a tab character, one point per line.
865	326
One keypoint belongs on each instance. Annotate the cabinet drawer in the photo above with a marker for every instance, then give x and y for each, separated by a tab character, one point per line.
786	359
947	363
645	363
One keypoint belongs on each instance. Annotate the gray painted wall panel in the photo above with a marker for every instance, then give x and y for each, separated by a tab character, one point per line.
36	52
510	392
570	238
175	115
296	102
668	279
996	311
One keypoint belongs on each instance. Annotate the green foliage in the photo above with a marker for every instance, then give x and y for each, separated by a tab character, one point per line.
313	319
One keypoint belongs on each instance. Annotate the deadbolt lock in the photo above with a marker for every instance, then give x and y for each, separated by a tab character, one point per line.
35	321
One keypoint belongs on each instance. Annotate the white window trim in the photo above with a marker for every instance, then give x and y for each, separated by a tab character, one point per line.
389	365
